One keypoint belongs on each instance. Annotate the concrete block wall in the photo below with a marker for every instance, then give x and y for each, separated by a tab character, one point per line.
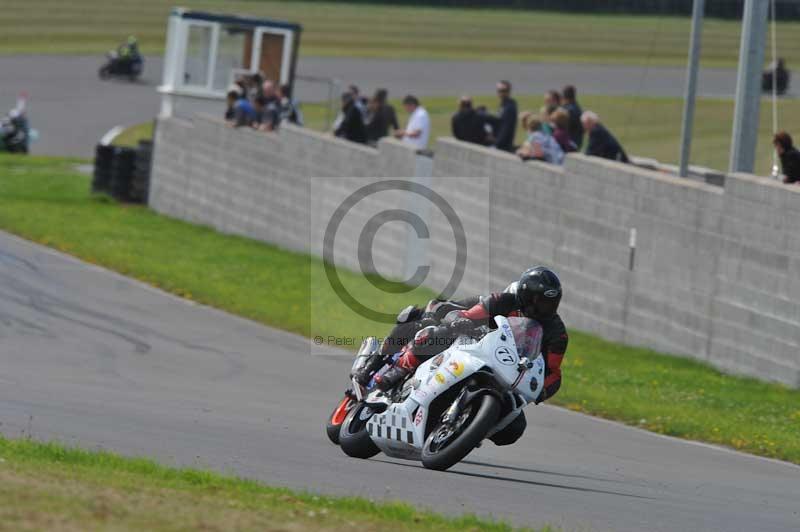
716	271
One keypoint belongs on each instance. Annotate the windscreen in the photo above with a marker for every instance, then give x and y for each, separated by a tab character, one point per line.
527	335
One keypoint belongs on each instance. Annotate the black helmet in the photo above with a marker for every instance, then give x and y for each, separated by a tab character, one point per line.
539	292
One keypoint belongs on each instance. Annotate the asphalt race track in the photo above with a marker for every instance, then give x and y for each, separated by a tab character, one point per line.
94	359
72	108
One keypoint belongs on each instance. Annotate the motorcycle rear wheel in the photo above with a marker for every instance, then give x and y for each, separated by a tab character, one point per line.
353	436
443	450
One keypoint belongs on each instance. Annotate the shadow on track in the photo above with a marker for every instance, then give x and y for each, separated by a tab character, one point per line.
521	481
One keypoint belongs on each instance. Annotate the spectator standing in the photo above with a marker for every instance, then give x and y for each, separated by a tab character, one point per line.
230	102
359	101
418	128
267	116
467	124
601	142
539	145
381	116
505	123
288	108
243	112
560	122
789	155
570	104
552	100
351	126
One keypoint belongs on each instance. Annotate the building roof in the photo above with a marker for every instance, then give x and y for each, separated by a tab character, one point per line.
235	19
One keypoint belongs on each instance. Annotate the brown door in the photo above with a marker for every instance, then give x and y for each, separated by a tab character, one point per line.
271	56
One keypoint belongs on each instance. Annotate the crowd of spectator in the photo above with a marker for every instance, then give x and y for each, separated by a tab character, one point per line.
366	121
261	104
557	129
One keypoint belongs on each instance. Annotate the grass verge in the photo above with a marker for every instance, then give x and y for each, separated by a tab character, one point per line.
45	200
45	486
131	135
382	31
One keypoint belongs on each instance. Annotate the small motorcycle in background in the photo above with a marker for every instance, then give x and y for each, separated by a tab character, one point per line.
129	67
15	133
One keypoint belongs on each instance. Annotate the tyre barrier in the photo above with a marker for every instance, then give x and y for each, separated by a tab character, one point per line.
101	179
123	172
140	182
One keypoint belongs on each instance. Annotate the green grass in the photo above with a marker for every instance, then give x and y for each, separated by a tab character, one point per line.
45	486
45	200
131	136
489	34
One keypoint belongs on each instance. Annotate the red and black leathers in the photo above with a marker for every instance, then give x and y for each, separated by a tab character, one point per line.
554	340
480	311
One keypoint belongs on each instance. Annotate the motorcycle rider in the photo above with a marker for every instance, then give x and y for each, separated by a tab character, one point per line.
536	295
128	52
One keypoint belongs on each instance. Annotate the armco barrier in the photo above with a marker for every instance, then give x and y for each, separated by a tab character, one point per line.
715	274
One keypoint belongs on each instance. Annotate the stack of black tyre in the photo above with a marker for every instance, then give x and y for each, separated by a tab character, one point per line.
101	180
140	181
123	172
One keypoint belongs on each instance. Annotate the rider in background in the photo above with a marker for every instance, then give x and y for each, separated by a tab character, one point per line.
129	50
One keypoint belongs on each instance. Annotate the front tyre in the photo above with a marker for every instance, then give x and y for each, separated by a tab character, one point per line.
353	436
449	444
337	417
104	72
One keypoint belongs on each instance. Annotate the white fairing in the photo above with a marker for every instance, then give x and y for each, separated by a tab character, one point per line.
400	430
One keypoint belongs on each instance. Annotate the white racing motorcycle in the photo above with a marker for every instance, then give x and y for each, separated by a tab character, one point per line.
452	402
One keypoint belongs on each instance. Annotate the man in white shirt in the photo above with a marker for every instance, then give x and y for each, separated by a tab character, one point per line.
418	129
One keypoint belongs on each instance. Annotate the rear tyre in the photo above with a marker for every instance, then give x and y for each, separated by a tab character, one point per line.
336	418
446	446
353	436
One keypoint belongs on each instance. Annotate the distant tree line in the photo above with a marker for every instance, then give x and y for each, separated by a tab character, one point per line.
786	9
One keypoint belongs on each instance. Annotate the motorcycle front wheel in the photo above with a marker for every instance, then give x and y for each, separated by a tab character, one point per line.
337	417
353	436
104	72
449	443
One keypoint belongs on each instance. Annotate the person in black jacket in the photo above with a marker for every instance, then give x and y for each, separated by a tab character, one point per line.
570	104
505	123
789	155
601	142
351	125
467	124
381	116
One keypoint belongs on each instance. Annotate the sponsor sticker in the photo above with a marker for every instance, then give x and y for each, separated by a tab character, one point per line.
456	368
418	417
437	361
439	378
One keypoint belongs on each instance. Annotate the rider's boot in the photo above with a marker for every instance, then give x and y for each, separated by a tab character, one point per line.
405	365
